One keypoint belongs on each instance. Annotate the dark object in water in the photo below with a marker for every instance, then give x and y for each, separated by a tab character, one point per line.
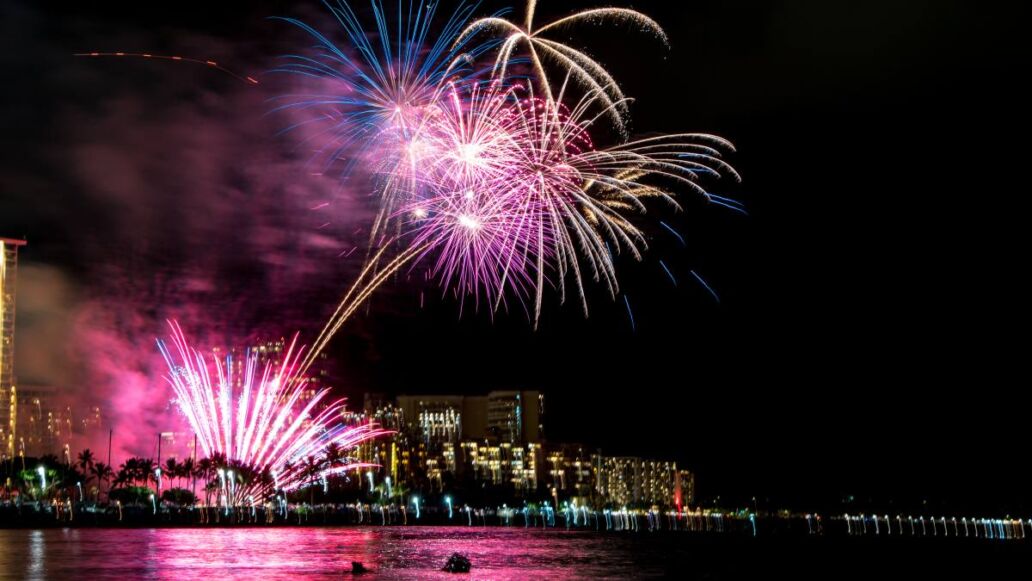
357	567
457	564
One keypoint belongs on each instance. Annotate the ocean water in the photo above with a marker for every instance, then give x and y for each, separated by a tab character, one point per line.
496	553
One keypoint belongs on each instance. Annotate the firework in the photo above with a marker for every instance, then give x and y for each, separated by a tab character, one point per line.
503	193
583	68
375	94
540	203
254	419
516	197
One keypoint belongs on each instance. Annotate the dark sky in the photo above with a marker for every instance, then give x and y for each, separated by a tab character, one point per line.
866	340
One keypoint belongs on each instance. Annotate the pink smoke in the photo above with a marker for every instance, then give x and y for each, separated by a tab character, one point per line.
201	212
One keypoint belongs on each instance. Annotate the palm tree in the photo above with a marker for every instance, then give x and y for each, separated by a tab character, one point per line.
288	468
86	459
171	471
219	460
122	478
311	470
266	477
204	471
127	472
333	452
186	469
333	455
210	487
102	472
146	470
400	490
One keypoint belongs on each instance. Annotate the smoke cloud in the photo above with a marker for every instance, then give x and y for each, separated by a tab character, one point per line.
181	199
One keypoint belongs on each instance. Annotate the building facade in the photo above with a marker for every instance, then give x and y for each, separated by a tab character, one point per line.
482	447
631	481
8	390
569	470
515	416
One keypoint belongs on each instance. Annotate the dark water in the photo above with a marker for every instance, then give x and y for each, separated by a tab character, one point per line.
391	553
496	553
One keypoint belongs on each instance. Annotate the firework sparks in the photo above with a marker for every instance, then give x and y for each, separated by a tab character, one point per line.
583	68
375	94
255	419
541	204
501	192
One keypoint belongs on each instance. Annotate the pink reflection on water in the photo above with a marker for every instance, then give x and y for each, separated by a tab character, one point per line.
279	553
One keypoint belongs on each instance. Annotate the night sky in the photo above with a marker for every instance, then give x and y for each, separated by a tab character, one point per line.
866	338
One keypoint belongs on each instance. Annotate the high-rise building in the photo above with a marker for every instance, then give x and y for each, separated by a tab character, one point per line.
515	416
492	439
44	424
684	488
382	411
437	419
8	391
178	445
628	481
502	464
569	469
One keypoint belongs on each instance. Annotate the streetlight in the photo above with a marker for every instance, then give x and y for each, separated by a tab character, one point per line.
369	475
415	501
225	497
232	489
447	499
43	477
154	504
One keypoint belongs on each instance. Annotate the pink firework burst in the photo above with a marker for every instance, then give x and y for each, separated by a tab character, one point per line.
259	421
514	195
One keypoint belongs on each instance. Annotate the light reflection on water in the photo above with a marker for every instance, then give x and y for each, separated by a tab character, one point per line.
276	553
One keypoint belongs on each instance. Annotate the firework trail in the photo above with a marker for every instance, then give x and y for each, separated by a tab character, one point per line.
256	420
706	285
670	275
175	58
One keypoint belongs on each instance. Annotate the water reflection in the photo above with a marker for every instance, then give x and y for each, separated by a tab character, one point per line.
36	549
276	553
